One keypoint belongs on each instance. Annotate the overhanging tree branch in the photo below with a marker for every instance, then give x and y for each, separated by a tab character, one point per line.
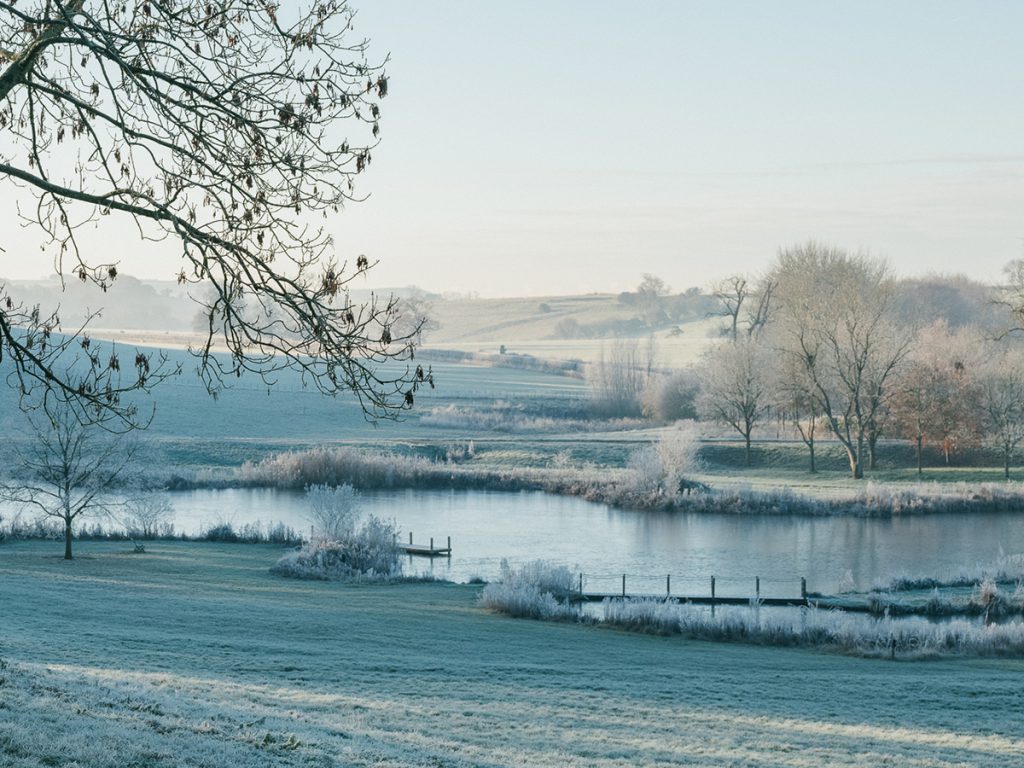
228	128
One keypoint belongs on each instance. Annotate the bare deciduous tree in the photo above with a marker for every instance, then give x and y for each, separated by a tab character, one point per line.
1001	399
68	468
732	293
796	404
619	378
935	395
745	303
736	387
226	130
650	295
836	322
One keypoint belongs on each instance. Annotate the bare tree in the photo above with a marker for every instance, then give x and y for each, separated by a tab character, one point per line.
935	395
736	387
760	306
747	304
226	130
618	379
1001	398
732	293
145	513
68	468
835	321
416	315
796	403
650	297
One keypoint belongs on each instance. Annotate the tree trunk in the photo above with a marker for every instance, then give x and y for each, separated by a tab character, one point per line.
920	467
855	470
857	459
810	447
872	442
746	439
67	539
1006	465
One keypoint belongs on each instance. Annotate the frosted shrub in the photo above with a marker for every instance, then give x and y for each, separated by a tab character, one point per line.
857	635
535	590
333	510
367	553
540	573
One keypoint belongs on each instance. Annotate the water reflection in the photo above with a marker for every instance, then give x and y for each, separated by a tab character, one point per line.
605	542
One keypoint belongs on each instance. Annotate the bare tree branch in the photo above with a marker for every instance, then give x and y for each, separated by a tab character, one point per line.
229	129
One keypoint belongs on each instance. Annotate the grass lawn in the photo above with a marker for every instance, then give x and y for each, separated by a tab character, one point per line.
193	654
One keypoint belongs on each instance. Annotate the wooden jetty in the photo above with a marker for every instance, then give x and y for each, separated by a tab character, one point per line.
711	599
427	550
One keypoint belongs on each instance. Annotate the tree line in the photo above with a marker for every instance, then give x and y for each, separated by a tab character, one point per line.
830	344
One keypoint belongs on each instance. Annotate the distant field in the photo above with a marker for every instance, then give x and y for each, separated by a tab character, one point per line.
193	654
523	325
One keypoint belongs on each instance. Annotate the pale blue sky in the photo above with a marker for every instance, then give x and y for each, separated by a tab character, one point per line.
535	147
565	147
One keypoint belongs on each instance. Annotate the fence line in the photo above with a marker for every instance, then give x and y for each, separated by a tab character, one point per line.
623	591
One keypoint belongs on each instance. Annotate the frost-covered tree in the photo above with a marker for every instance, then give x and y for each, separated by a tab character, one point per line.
1001	400
736	387
226	131
333	510
671	396
835	319
67	468
796	404
935	395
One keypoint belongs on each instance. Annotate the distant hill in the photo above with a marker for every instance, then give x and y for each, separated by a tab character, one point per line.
163	314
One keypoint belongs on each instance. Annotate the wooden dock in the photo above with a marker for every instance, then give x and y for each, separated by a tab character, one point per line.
427	550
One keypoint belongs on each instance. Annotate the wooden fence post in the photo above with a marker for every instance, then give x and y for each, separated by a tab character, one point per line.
712	590
410	538
623	585
431	544
581	583
757	587
668	585
803	588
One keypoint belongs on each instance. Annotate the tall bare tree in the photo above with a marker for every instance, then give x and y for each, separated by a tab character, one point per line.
836	322
227	130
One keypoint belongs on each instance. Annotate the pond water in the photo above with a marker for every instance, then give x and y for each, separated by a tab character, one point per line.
604	542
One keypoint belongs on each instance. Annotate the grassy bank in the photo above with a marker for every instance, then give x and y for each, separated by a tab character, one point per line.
193	654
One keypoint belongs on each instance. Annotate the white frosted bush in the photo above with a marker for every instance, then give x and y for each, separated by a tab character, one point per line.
333	510
367	553
535	590
855	634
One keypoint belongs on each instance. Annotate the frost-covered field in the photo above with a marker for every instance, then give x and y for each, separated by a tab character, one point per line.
193	654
